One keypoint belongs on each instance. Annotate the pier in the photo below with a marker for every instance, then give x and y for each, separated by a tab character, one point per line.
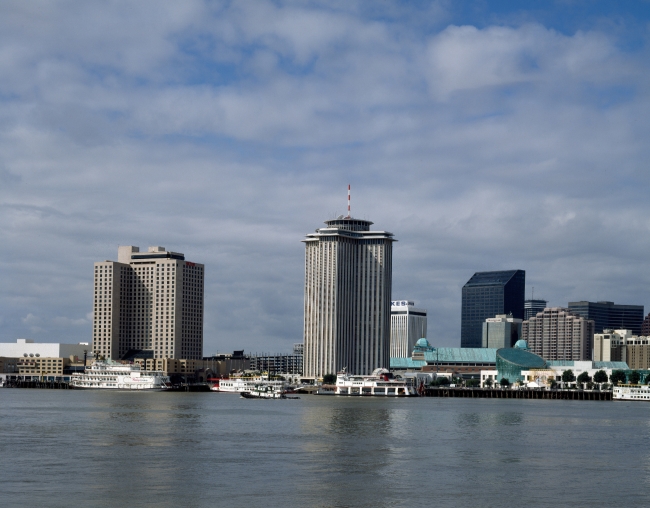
524	393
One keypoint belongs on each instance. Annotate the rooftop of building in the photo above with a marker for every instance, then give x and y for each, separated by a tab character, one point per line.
424	353
491	278
595	365
521	357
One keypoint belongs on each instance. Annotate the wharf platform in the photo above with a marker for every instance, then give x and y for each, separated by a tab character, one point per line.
523	393
65	385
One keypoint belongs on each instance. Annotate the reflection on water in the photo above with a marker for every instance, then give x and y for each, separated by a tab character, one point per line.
191	449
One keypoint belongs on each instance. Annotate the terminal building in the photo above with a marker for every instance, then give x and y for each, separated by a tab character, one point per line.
42	360
520	366
460	362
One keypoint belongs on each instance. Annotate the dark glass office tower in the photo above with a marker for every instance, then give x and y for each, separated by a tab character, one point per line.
608	315
487	294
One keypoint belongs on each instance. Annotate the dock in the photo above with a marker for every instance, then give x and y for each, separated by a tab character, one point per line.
524	393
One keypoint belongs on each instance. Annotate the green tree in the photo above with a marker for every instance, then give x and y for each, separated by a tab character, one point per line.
600	377
584	378
443	381
618	376
488	382
504	382
568	376
471	383
635	377
329	379
552	383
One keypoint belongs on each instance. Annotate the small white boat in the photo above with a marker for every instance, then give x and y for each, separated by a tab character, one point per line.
380	383
631	392
119	376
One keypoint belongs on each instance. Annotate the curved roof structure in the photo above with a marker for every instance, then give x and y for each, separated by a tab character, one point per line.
521	358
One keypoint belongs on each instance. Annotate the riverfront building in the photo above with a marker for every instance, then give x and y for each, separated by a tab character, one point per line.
27	348
450	361
558	334
408	324
623	346
488	294
348	282
501	331
148	301
608	315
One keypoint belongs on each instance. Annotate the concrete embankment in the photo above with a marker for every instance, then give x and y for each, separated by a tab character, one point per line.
495	393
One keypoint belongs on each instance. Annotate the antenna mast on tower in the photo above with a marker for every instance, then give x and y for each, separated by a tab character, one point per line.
348	217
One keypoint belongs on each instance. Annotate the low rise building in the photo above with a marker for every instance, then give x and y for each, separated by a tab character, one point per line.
27	348
277	364
450	361
623	346
551	371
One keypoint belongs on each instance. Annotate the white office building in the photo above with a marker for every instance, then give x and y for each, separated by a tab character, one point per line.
148	301
28	348
348	280
501	331
408	324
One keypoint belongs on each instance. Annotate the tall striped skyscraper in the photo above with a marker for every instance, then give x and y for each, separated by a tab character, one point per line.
348	280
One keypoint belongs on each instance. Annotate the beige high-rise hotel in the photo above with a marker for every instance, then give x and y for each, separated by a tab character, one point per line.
148	301
348	280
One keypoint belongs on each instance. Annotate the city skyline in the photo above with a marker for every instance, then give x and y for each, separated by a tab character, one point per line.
227	131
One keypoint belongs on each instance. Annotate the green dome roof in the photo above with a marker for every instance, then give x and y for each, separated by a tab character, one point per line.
423	343
521	344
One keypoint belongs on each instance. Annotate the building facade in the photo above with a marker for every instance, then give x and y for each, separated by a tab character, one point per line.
623	346
558	334
446	361
148	301
501	331
608	315
532	307
486	295
348	282
645	326
277	364
24	348
407	325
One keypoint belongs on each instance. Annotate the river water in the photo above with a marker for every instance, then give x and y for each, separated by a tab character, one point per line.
115	449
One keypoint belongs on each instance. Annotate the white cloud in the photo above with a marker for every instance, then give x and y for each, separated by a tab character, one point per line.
227	132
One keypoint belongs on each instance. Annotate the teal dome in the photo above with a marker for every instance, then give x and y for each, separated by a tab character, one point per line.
521	344
423	343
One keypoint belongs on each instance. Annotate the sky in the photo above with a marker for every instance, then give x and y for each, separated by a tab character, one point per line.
486	135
